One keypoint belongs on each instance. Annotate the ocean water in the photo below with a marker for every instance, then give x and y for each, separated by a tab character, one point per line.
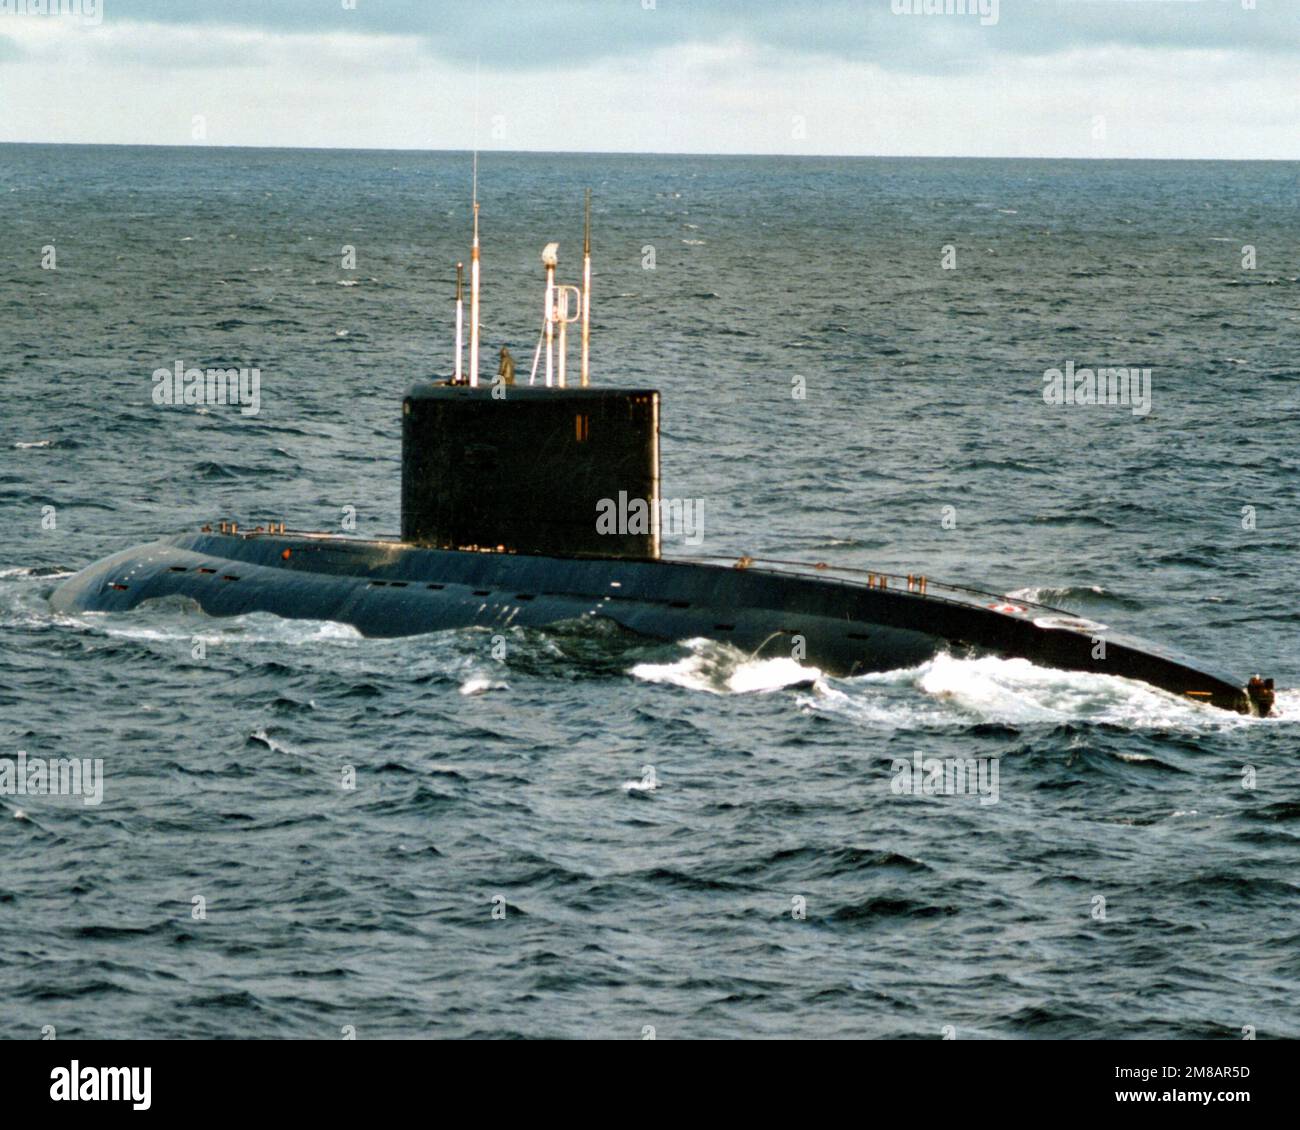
594	835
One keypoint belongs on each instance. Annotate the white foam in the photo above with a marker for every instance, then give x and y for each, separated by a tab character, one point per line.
23	571
948	691
1045	594
186	626
720	668
272	744
1286	706
481	684
645	785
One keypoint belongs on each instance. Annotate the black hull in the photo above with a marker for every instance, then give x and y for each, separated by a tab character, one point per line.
844	627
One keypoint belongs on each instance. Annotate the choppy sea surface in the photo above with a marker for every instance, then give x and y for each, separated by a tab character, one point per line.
591	834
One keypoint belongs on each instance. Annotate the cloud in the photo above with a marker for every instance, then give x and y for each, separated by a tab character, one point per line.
537	36
764	76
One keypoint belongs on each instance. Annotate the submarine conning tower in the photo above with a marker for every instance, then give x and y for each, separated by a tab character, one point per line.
554	471
542	469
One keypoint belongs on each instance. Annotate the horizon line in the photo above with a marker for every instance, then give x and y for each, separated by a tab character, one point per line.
643	152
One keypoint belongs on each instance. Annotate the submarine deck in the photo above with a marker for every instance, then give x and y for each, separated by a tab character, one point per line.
848	621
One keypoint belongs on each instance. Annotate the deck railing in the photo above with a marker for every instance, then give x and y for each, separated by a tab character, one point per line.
914	583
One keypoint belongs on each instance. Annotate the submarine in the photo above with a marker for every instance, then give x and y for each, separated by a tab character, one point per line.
506	495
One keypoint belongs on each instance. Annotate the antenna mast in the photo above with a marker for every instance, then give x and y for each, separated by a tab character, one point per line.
473	289
586	294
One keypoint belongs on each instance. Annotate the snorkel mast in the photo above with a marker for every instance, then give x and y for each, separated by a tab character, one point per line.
564	305
550	259
460	320
473	289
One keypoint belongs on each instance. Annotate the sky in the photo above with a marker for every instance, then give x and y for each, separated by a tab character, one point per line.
1012	78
